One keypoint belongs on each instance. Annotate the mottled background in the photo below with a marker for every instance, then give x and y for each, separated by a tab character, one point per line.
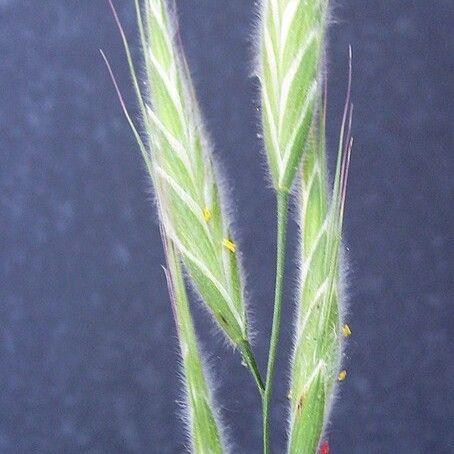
87	344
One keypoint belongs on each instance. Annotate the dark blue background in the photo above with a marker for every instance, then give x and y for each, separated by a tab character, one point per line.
88	355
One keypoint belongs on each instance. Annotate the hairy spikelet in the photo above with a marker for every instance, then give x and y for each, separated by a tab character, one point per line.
291	43
185	182
203	428
317	349
196	233
179	160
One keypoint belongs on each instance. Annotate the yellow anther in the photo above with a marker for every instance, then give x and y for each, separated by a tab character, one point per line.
342	375
230	245
346	331
207	214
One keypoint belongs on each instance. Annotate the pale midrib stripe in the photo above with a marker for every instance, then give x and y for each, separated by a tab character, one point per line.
321	291
307	104
174	143
320	367
332	276
226	267
308	188
173	93
272	62
314	173
275	13
289	77
204	269
282	90
186	199
157	14
310	257
287	19
271	125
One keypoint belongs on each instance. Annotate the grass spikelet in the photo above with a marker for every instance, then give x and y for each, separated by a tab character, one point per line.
291	44
187	188
198	240
319	332
204	431
180	163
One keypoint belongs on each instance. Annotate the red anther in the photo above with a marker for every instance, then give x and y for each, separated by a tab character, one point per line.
324	448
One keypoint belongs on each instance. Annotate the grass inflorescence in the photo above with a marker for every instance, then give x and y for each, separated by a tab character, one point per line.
195	228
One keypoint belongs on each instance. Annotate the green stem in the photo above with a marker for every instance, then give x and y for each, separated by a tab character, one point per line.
282	218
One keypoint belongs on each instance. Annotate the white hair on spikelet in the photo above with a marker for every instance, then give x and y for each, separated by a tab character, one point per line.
319	328
193	212
178	158
290	53
187	183
201	417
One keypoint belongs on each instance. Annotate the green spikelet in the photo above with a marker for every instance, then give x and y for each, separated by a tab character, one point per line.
188	193
202	425
317	349
291	44
179	160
